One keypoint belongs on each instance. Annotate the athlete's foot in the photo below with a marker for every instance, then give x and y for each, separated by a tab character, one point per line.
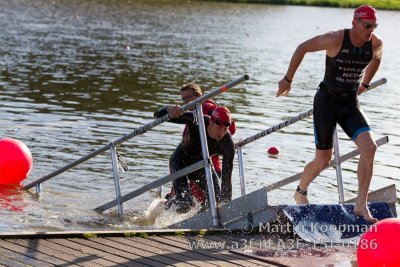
300	199
300	196
363	211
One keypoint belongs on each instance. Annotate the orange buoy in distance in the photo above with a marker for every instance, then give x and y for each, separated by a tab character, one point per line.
273	152
15	161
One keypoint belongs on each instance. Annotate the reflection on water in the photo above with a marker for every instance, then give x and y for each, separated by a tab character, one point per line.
75	75
11	198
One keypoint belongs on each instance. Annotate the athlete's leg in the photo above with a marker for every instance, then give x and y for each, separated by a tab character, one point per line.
367	147
324	126
355	124
311	170
183	198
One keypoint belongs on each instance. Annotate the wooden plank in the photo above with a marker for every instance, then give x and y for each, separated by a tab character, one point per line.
178	248
162	249
229	244
42	246
126	258
235	242
72	243
10	262
120	233
11	258
217	253
211	257
91	259
41	258
77	252
151	257
335	255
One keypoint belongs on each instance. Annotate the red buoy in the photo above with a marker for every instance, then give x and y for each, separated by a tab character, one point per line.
15	161
379	245
273	152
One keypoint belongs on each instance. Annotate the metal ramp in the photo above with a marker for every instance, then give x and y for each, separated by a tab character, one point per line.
252	210
333	223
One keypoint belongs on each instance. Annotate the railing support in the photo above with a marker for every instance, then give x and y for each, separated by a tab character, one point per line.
338	166
207	164
160	191
38	188
241	171
116	179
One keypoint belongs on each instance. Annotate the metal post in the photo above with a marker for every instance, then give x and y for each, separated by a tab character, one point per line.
338	166
207	164
38	188
241	171
116	178
160	191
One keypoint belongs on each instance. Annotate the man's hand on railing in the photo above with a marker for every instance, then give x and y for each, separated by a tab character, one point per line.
175	111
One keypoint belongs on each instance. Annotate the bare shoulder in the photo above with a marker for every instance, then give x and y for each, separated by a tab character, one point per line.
376	41
327	41
377	45
334	41
334	36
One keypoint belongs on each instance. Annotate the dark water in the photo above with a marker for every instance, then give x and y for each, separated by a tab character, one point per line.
75	75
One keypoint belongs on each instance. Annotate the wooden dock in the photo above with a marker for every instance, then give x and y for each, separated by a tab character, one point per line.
141	248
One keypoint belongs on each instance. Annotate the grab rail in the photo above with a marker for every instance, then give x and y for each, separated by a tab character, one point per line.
160	181
114	157
337	160
351	154
139	131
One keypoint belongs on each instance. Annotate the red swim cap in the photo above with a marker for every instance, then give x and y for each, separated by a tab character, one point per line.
221	113
365	12
208	108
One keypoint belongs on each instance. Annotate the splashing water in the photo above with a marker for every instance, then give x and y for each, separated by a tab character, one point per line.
158	216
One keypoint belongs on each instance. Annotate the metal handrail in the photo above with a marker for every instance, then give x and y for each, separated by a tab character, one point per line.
160	181
139	131
239	145
351	154
205	163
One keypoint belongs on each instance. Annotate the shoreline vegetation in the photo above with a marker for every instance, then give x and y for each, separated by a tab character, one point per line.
378	4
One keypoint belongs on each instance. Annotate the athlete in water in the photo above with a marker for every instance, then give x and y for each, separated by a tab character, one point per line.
353	57
190	92
189	151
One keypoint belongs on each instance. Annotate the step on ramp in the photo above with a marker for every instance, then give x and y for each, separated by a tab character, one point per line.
313	223
332	223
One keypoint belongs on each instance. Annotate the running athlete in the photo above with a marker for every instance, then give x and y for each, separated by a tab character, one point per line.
353	57
189	151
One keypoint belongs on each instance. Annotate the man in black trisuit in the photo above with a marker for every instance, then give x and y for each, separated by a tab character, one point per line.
189	151
352	58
